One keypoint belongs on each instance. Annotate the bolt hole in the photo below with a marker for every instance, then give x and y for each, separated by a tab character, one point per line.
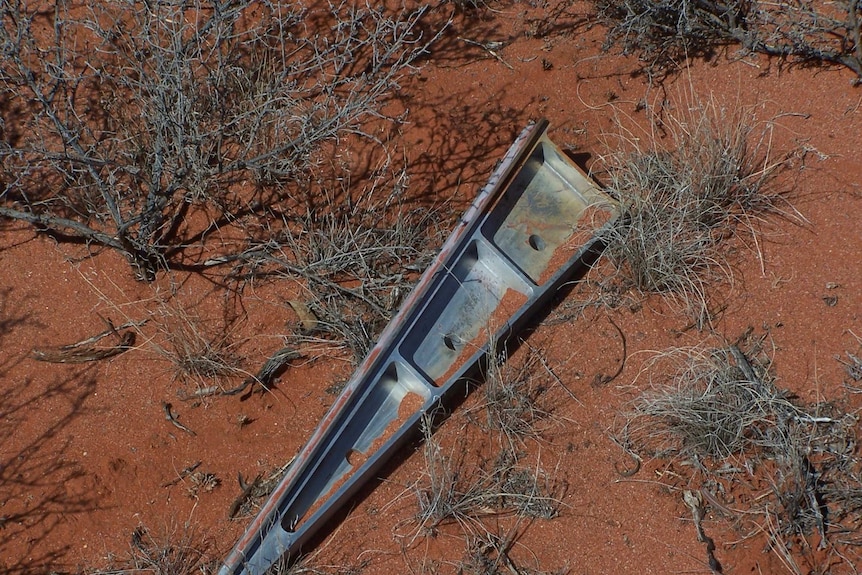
536	242
355	457
449	342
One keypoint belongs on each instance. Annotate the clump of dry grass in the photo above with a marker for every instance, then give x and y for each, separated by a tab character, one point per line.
198	352
182	551
454	490
179	551
682	199
481	483
358	267
528	491
710	408
793	470
448	495
354	255
513	398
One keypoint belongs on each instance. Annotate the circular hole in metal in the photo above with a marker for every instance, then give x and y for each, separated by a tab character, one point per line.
536	242
355	457
449	342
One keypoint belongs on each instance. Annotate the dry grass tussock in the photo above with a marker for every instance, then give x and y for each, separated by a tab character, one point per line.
514	403
490	502
183	550
199	353
759	457
489	487
698	176
456	490
709	407
353	256
178	551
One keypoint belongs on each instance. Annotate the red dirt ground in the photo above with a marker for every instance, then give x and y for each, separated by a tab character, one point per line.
85	450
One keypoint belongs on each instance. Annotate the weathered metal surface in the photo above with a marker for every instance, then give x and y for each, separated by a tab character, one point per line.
528	231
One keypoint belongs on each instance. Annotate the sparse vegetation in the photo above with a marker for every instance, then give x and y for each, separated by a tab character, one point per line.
852	362
491	554
710	408
514	402
246	143
123	119
177	552
354	256
455	490
182	551
664	33
682	200
791	470
486	490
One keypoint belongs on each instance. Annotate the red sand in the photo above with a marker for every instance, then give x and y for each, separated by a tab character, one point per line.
85	449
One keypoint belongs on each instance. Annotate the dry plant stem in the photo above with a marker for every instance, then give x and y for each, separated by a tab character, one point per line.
183	474
169	415
85	350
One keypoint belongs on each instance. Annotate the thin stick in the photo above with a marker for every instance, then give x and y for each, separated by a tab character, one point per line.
169	415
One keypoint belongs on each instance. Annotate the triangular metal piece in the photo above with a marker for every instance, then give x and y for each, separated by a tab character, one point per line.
537	223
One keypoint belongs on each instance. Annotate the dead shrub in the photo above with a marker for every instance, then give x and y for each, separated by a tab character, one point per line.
664	33
123	118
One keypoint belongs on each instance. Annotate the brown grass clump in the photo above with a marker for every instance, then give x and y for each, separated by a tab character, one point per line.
200	353
682	200
756	455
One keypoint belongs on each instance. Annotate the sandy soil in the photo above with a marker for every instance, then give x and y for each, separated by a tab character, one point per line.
87	455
